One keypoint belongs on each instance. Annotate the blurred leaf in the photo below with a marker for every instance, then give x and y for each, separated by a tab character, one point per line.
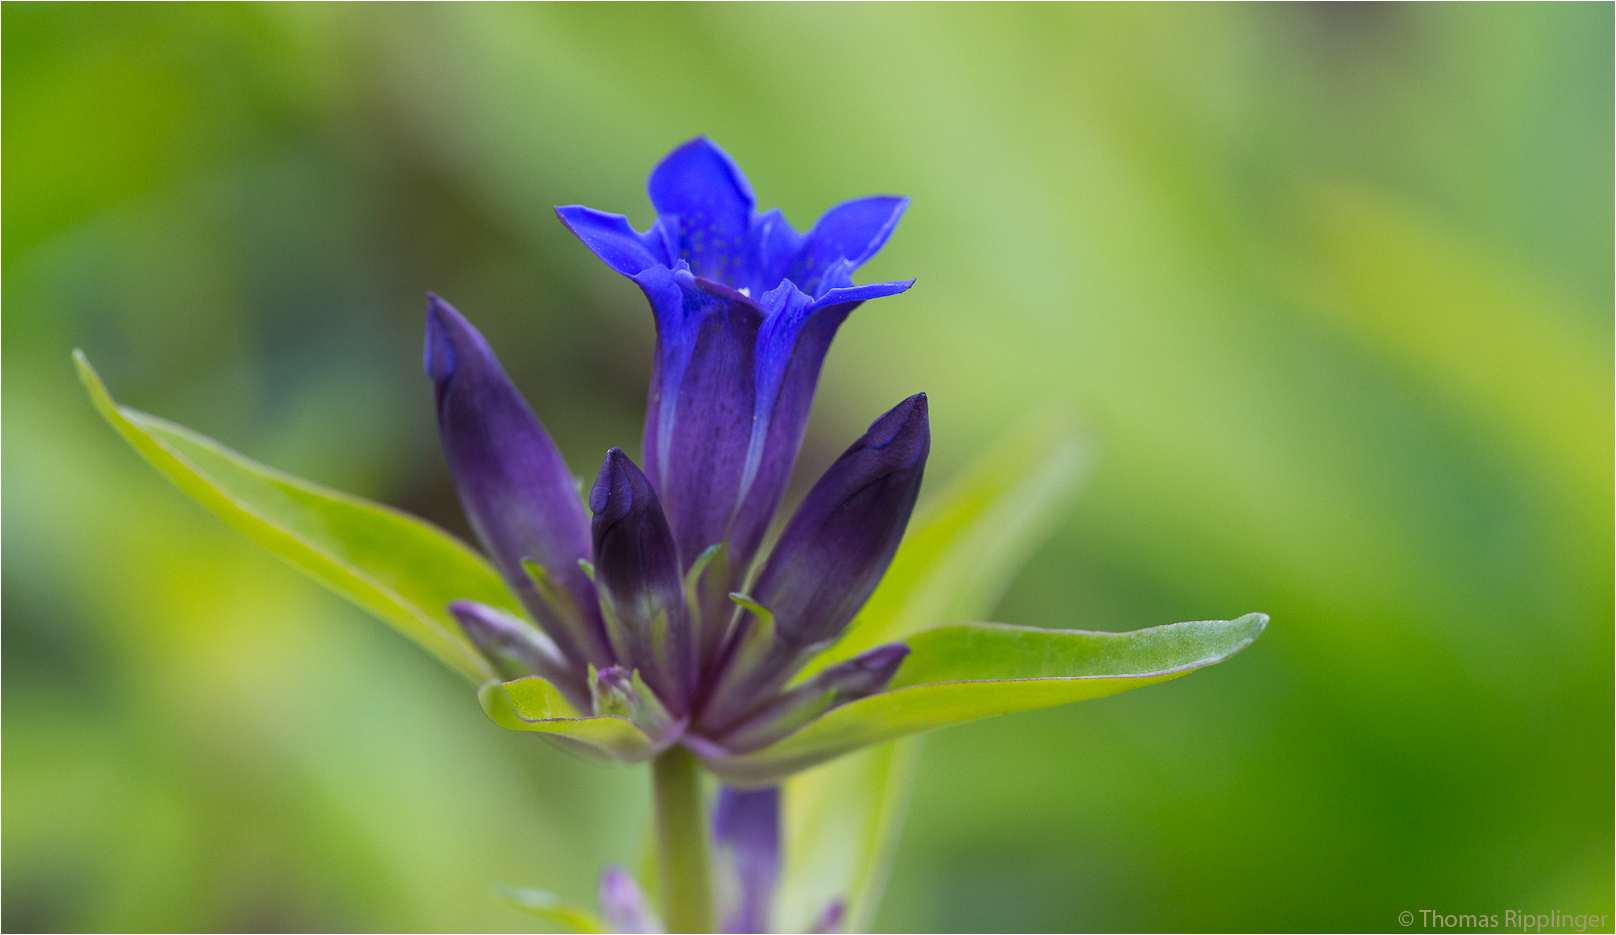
967	671
1519	353
842	821
550	907
533	704
400	568
962	552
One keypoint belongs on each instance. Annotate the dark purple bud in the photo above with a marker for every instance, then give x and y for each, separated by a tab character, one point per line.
514	487
838	545
623	904
864	675
637	571
516	648
746	833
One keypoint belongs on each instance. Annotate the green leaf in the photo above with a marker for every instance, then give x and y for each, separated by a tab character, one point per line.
400	568
534	704
967	671
549	906
963	549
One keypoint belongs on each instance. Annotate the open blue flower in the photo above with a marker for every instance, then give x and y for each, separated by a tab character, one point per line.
637	599
746	308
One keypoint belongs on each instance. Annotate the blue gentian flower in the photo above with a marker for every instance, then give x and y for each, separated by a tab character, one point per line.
654	629
647	602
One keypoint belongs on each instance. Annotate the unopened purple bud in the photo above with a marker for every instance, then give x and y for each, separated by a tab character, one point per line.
514	647
637	571
859	677
841	540
517	492
864	674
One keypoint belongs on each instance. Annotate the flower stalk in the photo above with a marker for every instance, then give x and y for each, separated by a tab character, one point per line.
683	863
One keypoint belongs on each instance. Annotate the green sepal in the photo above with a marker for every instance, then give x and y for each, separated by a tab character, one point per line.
534	704
967	671
402	569
550	907
756	641
703	590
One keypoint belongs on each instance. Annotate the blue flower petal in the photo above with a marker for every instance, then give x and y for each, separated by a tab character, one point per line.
614	240
699	420
853	231
699	188
775	247
864	293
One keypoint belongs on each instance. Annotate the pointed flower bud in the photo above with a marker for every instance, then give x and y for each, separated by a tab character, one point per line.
516	648
515	488
859	677
827	562
642	592
838	545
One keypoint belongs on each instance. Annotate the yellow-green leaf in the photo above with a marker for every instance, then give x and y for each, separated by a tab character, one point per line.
396	566
967	671
534	704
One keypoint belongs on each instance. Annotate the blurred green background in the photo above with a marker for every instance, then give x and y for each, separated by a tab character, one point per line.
1329	286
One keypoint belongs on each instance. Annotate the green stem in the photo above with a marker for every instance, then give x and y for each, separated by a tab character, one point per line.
682	861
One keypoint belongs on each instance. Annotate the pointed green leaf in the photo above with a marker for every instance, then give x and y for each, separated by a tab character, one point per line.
549	906
534	704
400	568
967	671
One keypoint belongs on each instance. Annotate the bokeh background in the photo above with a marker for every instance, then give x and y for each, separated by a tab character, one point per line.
1329	287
